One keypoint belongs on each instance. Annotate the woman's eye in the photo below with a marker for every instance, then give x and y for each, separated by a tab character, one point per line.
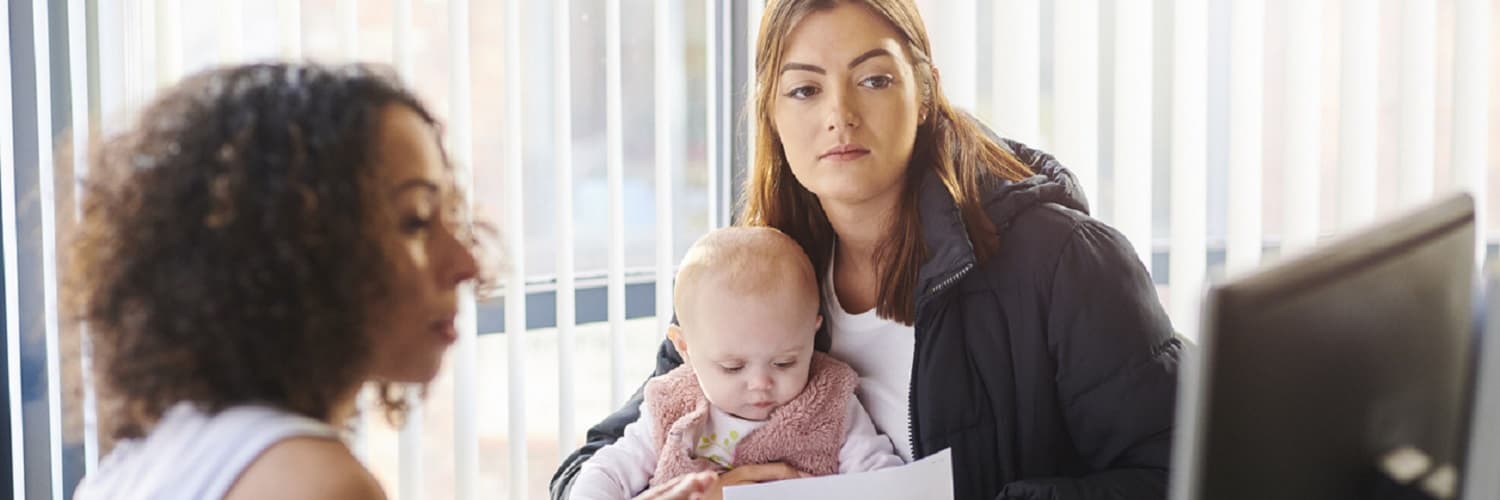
878	82
803	92
413	224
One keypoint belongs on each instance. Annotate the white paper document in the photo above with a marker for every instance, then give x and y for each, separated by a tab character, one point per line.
928	478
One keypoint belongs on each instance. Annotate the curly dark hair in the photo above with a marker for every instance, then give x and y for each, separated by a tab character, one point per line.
224	255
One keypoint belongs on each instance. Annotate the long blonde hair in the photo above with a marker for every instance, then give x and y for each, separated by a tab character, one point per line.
947	142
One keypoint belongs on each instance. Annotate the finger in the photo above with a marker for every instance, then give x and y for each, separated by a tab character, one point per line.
684	487
701	480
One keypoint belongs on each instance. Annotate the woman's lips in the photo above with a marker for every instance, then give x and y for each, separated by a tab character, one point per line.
844	152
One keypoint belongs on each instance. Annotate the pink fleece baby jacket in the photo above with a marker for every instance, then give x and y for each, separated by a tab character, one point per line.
806	433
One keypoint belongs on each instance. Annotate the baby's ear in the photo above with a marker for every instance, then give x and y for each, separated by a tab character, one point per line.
674	333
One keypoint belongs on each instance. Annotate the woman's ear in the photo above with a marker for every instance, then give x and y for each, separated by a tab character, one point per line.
674	333
927	105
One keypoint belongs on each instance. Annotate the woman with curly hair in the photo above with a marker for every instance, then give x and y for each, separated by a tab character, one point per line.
263	242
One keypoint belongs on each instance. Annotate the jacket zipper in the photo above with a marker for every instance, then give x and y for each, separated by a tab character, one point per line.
963	271
911	388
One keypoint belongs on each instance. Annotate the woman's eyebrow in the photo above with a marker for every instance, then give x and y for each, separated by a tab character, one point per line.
416	183
871	54
792	66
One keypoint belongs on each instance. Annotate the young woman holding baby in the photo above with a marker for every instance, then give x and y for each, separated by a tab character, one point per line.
963	280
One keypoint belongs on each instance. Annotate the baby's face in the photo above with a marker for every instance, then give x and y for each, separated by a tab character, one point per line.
751	354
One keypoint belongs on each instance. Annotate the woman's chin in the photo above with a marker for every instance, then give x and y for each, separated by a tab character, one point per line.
413	371
851	188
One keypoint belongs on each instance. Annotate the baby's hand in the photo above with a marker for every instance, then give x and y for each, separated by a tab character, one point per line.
750	474
686	487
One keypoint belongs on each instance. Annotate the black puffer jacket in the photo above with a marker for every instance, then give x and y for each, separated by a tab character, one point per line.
1050	370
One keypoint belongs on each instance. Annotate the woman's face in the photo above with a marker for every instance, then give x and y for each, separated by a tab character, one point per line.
411	325
846	106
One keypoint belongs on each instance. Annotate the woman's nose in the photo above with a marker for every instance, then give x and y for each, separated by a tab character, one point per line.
465	268
458	264
842	115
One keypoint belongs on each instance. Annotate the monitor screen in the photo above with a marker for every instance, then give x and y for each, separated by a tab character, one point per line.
1311	371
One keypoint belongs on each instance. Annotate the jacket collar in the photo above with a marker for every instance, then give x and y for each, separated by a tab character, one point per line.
950	253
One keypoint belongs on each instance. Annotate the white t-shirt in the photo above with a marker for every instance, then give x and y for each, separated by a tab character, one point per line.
880	351
190	454
624	469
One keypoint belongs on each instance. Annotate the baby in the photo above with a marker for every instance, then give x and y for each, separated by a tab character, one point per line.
751	390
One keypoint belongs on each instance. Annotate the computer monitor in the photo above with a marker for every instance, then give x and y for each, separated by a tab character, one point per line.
1310	371
1482	481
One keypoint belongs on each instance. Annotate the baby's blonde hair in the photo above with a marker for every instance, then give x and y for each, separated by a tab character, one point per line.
749	261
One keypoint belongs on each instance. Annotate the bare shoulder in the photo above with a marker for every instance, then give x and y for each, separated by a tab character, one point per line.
306	468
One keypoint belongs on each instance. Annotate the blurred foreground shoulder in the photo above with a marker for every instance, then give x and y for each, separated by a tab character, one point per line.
306	468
